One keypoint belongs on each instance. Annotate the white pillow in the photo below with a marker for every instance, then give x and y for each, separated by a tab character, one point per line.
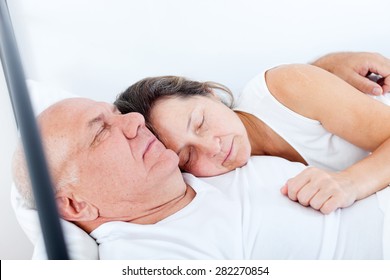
80	245
43	95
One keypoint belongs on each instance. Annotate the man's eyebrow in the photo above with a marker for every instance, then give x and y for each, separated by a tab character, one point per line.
95	120
100	117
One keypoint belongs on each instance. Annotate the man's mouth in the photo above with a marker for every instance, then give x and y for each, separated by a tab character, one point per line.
149	145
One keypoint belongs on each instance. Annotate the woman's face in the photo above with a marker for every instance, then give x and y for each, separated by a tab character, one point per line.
208	136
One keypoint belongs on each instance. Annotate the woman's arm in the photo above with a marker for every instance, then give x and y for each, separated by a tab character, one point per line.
354	67
346	112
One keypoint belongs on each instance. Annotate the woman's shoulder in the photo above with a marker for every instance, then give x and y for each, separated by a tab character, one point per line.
280	76
255	88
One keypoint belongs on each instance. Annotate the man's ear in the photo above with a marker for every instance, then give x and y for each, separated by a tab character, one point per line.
74	208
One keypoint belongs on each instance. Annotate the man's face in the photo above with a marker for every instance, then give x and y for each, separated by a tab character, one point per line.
122	168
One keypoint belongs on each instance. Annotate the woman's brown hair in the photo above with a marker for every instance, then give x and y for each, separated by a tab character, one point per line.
141	96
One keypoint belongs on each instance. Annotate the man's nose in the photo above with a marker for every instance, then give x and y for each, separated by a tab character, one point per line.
131	123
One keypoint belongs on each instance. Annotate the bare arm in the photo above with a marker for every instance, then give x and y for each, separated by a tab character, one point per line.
346	112
354	67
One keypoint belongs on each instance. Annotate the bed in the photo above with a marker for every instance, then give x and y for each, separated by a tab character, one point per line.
96	49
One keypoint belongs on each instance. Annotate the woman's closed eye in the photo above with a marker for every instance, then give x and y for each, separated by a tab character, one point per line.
189	156
200	125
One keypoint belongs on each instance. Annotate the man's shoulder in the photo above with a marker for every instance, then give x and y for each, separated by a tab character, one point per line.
268	162
268	170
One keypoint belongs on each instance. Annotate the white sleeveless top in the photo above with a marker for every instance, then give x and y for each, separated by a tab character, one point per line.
308	137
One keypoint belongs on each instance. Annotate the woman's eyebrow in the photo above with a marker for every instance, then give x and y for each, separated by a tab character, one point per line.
194	115
189	122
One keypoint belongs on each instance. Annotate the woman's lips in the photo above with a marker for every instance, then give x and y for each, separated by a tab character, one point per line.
228	153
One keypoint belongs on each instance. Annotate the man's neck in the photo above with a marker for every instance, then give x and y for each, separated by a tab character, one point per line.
167	209
153	217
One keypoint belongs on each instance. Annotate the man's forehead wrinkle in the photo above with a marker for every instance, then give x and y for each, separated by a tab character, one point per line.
99	113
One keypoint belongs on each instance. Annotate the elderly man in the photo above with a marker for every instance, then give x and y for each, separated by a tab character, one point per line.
116	181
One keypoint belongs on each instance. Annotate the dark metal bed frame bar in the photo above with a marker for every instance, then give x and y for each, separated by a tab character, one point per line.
20	99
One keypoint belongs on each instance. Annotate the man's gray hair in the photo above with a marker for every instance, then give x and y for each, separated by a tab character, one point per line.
60	179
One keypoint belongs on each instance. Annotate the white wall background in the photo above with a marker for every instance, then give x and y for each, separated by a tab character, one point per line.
97	48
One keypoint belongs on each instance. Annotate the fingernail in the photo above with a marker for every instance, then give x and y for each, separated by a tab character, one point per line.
376	91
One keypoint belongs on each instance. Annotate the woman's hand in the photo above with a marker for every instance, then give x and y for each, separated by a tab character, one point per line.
321	190
365	123
355	67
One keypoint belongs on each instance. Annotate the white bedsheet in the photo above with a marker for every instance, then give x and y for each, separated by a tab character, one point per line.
246	217
385	99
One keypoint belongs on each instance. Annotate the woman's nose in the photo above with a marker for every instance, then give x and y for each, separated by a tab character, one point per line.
210	146
131	123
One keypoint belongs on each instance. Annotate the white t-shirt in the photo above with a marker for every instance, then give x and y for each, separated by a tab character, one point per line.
243	215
